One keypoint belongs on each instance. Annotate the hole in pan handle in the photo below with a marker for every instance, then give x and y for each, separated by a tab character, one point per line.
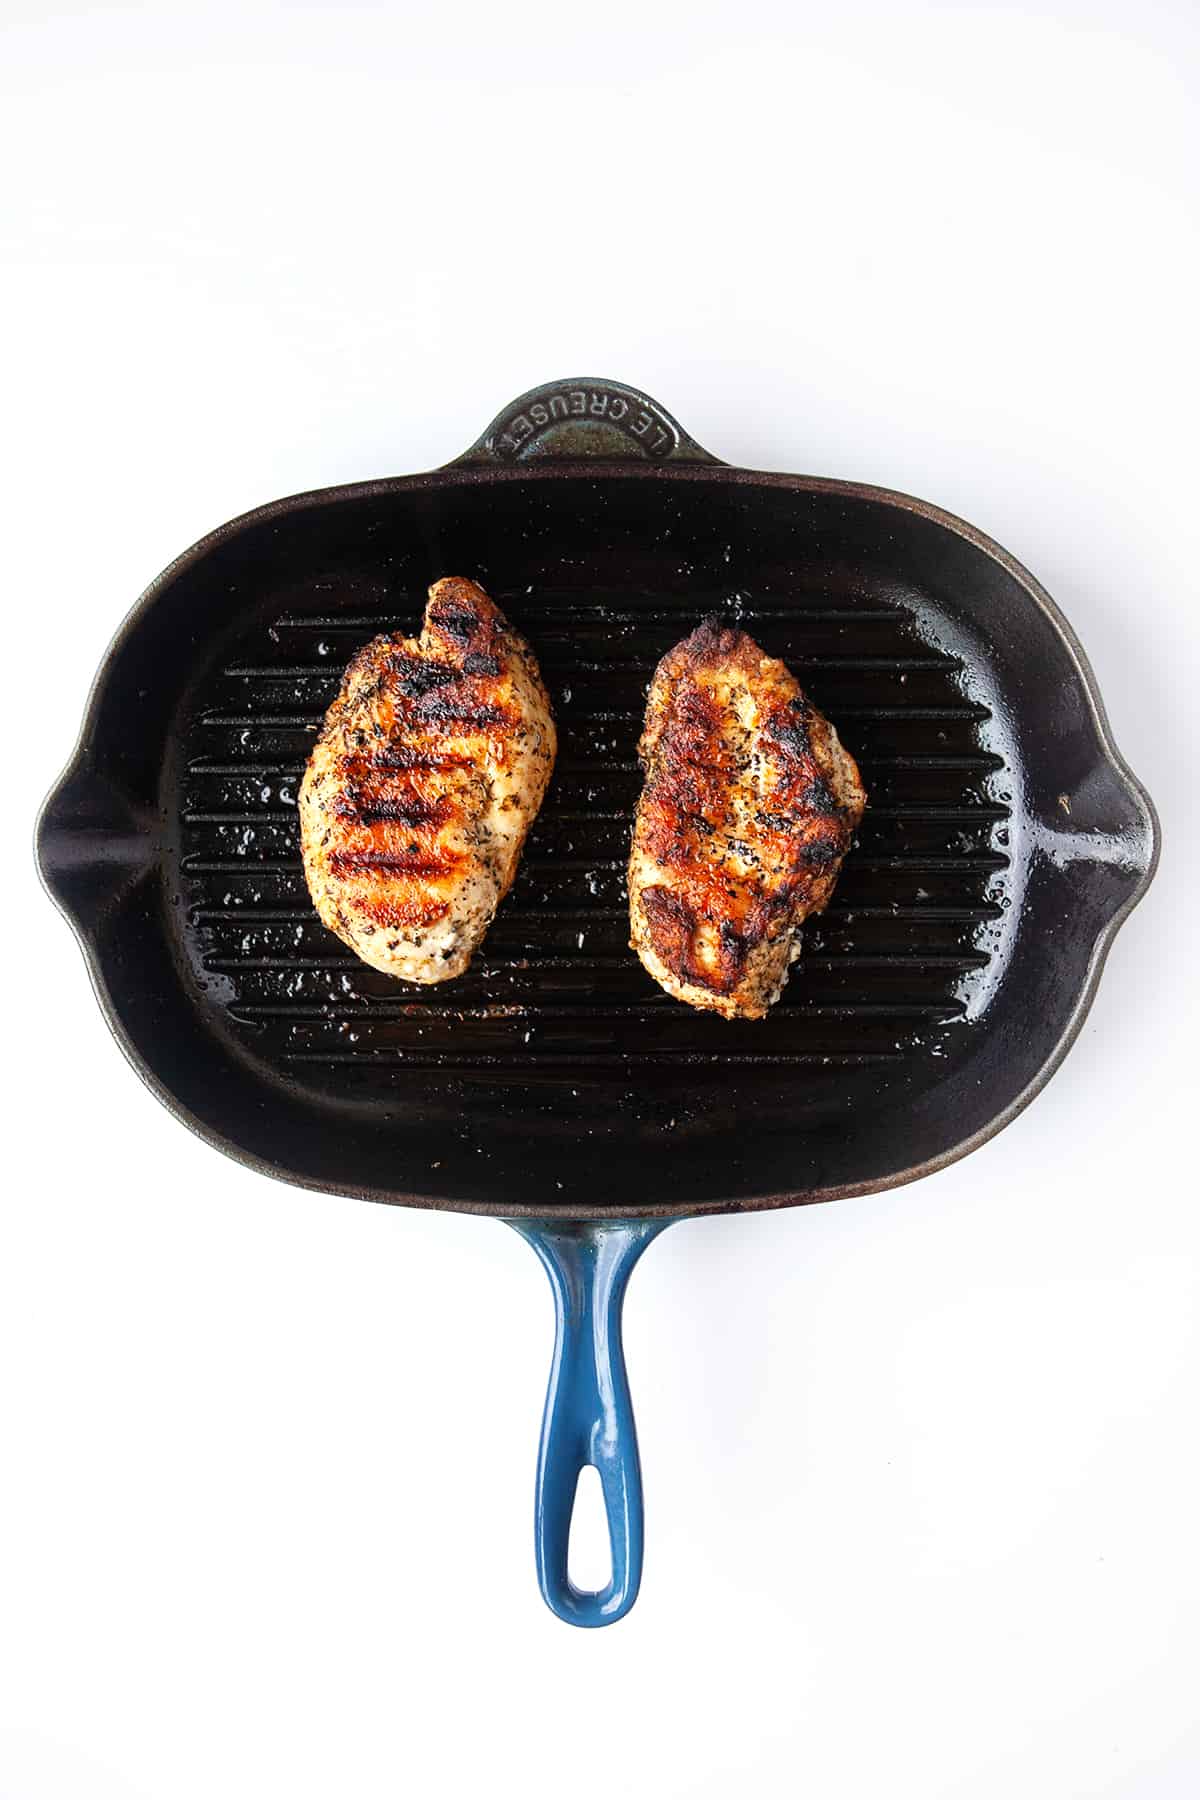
585	417
589	1415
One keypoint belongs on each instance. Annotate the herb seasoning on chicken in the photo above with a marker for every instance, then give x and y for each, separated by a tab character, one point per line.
750	805
429	770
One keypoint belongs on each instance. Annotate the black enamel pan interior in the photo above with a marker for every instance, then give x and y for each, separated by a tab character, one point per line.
1004	842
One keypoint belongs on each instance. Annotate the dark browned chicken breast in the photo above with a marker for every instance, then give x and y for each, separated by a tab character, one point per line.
749	807
428	773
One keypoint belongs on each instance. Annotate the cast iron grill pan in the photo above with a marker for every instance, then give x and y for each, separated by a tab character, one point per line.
1003	840
555	1084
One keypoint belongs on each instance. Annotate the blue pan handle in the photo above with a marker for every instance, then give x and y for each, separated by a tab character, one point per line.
589	1416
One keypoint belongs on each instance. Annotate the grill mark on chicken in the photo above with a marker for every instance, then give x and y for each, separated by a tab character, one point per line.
459	622
394	914
398	757
410	809
749	806
460	712
426	776
416	677
397	862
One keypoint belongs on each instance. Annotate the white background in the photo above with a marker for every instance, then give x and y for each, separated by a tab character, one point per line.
922	1470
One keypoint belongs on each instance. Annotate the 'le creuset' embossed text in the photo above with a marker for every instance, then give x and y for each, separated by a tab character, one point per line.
651	429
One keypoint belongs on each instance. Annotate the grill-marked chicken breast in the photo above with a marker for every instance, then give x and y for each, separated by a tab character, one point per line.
429	770
749	807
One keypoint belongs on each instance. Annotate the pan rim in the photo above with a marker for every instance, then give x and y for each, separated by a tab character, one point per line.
592	469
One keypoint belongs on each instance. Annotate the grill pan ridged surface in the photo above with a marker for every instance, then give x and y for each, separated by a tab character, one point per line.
883	974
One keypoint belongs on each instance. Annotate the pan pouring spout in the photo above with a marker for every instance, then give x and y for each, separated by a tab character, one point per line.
93	845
